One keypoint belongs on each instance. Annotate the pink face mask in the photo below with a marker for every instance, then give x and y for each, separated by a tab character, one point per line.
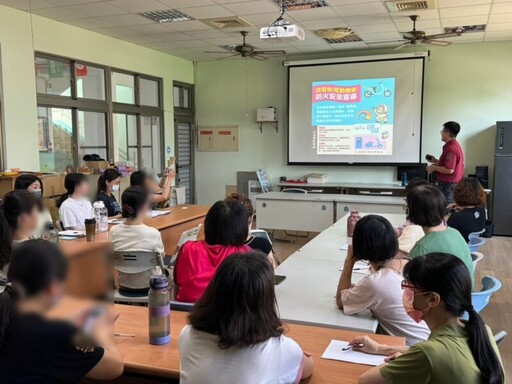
408	301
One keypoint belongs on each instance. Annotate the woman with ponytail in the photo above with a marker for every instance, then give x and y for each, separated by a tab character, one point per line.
74	206
36	350
134	236
437	289
108	184
19	216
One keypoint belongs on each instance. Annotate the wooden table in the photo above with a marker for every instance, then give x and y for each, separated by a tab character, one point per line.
90	275
153	363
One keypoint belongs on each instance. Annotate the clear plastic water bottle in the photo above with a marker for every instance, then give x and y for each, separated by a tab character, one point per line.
101	215
159	307
404	179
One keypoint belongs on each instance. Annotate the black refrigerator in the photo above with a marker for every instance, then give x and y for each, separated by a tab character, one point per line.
502	191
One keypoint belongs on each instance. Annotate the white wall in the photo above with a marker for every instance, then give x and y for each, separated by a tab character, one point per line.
469	83
19	90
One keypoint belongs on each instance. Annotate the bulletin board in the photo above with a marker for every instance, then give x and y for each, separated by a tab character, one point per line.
218	138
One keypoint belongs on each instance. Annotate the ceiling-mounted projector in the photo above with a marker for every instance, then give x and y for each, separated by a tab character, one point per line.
284	32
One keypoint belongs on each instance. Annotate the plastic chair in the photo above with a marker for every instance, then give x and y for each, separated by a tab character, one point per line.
475	234
294	190
500	337
475	243
182	307
131	263
481	299
477	257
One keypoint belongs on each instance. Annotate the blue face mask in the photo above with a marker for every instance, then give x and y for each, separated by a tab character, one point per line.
37	193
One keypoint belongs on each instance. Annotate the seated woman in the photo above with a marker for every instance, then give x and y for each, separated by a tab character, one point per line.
19	217
437	289
134	236
374	240
225	232
255	242
34	349
108	183
160	193
427	208
235	335
74	207
469	215
34	185
409	233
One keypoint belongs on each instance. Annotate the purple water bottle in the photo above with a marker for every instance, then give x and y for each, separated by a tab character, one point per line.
159	301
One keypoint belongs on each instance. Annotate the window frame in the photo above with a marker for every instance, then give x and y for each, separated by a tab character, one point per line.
107	106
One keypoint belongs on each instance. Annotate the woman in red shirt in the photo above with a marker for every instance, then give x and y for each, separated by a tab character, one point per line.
225	232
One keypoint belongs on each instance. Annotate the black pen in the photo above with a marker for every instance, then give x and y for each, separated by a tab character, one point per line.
350	346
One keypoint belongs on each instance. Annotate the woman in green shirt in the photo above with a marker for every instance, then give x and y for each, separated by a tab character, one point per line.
426	207
437	289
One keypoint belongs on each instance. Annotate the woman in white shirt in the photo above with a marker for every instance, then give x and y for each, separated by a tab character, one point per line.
34	185
235	335
134	236
18	220
74	207
374	240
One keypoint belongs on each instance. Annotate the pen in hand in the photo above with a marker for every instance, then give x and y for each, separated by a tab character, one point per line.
350	346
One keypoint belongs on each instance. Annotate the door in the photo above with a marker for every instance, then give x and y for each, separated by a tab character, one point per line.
184	144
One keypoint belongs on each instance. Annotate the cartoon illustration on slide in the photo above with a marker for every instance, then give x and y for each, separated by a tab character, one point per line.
382	113
366	115
385	135
371	144
377	91
363	142
359	142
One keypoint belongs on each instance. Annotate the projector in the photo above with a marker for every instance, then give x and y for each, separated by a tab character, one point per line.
288	32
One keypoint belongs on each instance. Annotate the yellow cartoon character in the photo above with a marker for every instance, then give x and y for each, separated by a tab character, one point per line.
381	113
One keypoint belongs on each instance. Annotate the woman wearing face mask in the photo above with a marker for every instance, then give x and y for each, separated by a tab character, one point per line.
74	207
34	349
108	183
437	289
19	216
34	185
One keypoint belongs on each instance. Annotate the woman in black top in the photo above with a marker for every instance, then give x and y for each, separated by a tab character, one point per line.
36	350
109	182
255	242
469	215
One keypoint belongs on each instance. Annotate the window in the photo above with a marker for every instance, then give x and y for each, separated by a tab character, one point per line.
182	97
77	116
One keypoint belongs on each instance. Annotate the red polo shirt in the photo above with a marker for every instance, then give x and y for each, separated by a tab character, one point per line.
452	158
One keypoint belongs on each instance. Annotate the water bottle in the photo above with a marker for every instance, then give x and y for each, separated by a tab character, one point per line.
404	179
101	215
51	233
159	306
351	222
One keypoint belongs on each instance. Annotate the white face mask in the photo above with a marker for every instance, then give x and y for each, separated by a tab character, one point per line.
115	188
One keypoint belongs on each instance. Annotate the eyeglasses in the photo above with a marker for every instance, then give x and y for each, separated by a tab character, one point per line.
406	285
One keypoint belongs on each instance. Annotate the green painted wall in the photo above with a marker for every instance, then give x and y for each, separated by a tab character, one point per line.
469	83
18	80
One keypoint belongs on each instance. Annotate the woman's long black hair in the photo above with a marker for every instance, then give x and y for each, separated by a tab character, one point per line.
71	181
35	264
449	277
239	305
110	174
14	204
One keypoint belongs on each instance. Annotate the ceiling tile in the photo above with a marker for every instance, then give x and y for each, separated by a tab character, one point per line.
191	25
324	23
333	3
174	36
141	39
91	23
186	3
126	20
473	10
228	40
230	1
361	9
499	27
26	5
316	48
365	20
500	18
459	21
354	45
262	19
313	14
209	34
423	15
375	28
461	3
70	2
421	24
207	12
253	7
382	36
59	13
498	35
502	8
151	29
116	31
136	6
97	9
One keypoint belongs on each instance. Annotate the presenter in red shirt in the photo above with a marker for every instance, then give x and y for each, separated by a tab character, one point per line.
449	168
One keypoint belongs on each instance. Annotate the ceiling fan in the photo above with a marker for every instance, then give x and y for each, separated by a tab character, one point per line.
420	37
247	50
